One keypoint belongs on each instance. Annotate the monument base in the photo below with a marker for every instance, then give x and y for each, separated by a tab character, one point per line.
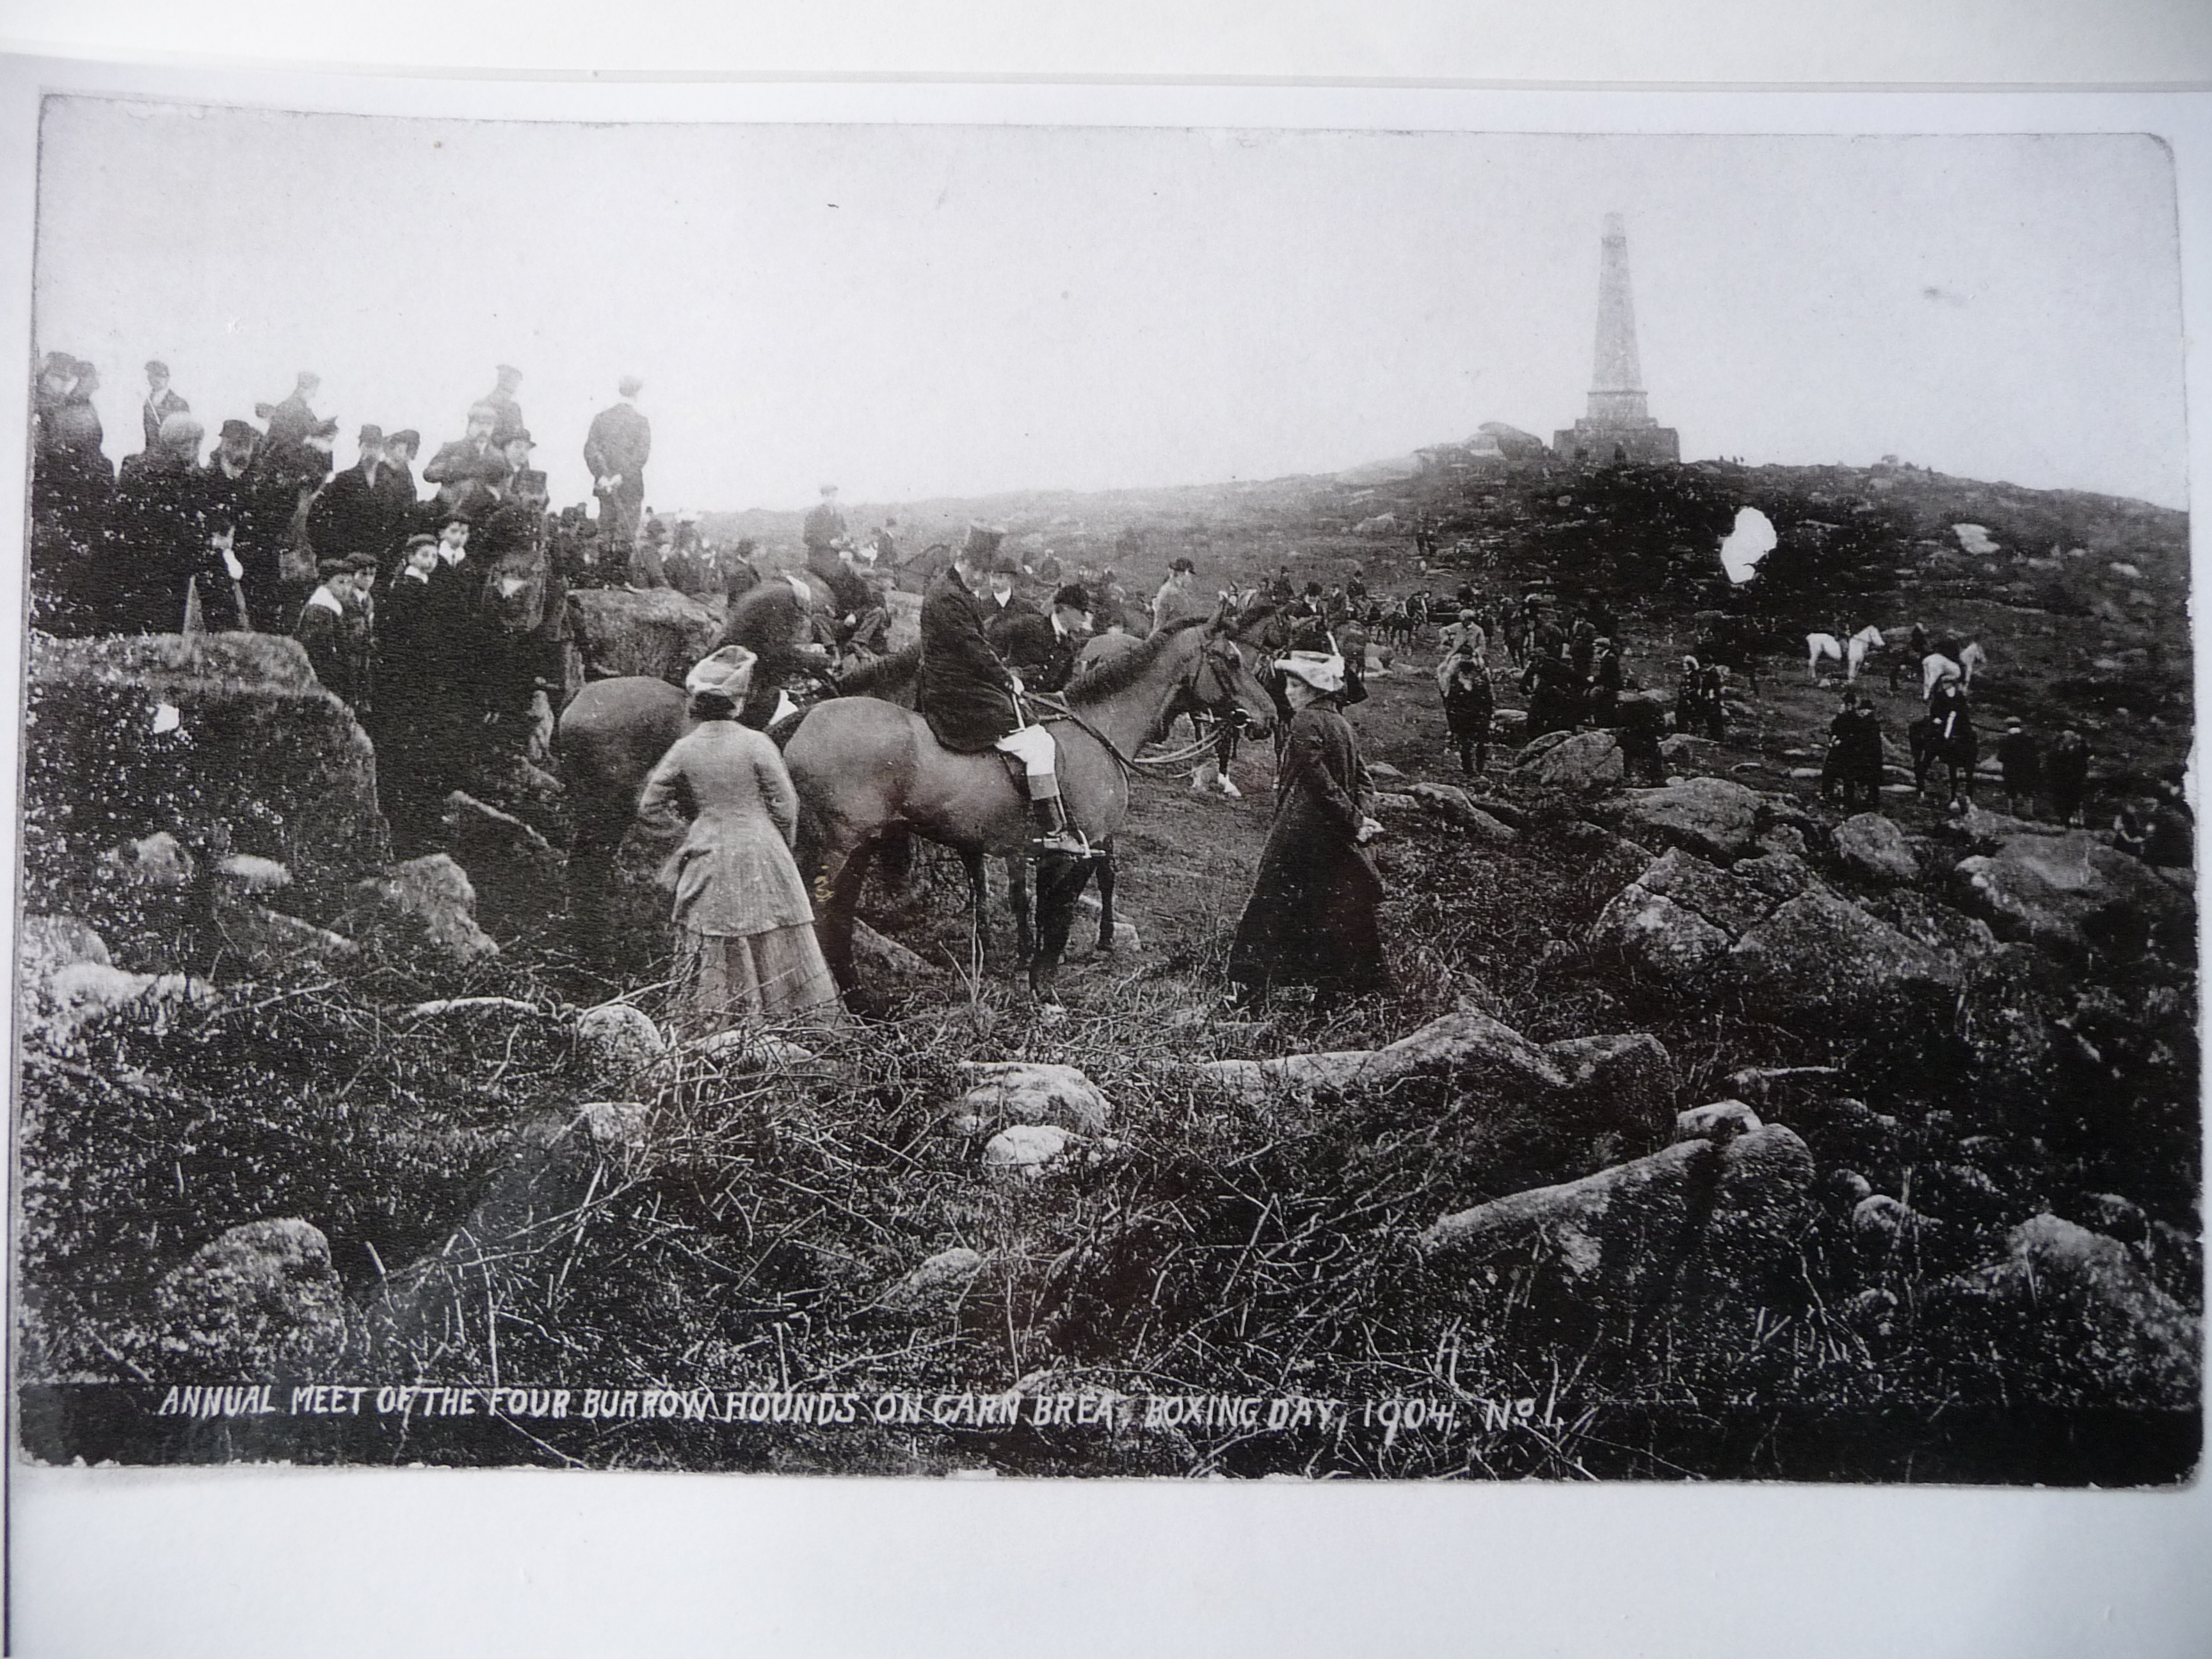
1599	445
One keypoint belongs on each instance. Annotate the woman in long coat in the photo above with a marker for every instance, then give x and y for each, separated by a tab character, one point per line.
1311	918
747	951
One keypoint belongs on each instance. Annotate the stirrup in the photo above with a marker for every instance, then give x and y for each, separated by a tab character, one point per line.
1067	843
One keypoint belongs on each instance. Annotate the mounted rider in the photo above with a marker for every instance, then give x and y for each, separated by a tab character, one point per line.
972	699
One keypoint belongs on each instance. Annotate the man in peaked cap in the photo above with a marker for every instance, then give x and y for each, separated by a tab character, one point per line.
615	449
1179	596
160	402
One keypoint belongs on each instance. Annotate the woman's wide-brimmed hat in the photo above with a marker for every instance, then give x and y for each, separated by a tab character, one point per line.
729	671
1321	670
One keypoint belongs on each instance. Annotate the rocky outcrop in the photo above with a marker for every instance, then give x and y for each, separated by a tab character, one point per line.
220	741
435	896
2092	1299
1454	805
659	633
1582	761
1870	846
1704	1229
1442	1045
2067	893
1025	1150
1027	1091
260	1301
516	872
1711	816
1767	928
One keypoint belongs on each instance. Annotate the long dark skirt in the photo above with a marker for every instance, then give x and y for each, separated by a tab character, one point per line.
1311	918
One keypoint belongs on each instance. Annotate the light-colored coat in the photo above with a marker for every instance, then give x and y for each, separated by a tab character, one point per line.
733	874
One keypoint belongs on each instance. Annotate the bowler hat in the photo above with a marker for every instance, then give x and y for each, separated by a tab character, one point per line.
157	366
358	563
407	435
370	434
1073	596
240	432
334	567
1183	564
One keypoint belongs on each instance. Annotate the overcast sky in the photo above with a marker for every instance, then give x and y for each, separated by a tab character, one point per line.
925	310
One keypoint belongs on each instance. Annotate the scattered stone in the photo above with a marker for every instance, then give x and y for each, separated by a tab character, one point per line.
616	1040
1632	1066
1782	838
1879	1224
2119	1218
435	893
1024	1150
616	1127
1683	746
266	934
1586	760
1871	845
1453	803
1780	875
1762	1083
743	1050
259	1300
1719	897
1951	933
249	873
1720	1121
1712	817
1538	747
156	860
886	958
936	1279
1508	723
1459	1039
78	994
44	944
1383	769
1029	1091
1850	1186
516	872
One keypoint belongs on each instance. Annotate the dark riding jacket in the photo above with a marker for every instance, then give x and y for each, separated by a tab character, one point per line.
964	691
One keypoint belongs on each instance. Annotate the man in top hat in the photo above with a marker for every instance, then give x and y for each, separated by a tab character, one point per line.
969	696
1179	596
506	412
395	486
615	449
349	514
1002	607
290	420
824	530
160	403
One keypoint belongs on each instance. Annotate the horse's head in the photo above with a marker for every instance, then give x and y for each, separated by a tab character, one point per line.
1222	681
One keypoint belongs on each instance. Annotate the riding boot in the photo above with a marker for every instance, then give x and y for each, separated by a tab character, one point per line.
1055	835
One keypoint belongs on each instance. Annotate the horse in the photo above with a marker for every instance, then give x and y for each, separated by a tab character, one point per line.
1853	652
864	768
1957	752
1935	664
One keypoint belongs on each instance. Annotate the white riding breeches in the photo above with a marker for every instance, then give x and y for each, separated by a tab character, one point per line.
1033	747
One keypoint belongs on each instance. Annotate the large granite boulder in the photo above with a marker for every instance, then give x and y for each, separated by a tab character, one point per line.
1459	1040
658	632
1818	955
1712	816
435	896
1708	1226
1871	846
223	742
2070	892
1586	760
260	1301
2089	1298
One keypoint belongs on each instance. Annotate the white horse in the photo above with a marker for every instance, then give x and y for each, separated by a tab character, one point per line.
1827	648
1935	664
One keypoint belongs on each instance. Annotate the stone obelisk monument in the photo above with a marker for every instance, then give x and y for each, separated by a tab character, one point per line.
1617	426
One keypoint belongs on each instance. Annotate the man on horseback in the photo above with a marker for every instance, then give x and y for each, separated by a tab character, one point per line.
972	699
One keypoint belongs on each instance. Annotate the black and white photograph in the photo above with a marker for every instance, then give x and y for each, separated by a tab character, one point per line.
1059	801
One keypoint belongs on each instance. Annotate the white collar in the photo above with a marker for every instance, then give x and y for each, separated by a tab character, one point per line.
410	573
329	601
452	555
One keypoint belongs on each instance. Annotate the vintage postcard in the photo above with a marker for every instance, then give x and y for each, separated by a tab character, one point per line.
1082	800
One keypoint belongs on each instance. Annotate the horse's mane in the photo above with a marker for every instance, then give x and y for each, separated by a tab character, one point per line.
1121	672
898	668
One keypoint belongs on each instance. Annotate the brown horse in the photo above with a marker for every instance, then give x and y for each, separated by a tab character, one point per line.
865	769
